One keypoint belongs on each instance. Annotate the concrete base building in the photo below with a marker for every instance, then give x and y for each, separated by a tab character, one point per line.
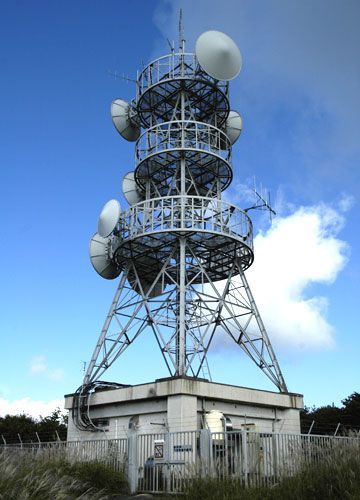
185	404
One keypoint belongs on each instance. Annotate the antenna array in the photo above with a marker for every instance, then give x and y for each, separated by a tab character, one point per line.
180	250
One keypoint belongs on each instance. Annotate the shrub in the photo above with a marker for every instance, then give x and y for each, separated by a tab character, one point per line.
335	478
100	476
29	475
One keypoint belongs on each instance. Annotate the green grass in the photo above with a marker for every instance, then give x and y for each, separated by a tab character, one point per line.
336	478
47	474
27	475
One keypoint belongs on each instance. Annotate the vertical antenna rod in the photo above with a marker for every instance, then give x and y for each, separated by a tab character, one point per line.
181	32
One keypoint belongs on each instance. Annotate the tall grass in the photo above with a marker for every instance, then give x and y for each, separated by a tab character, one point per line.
337	477
25	475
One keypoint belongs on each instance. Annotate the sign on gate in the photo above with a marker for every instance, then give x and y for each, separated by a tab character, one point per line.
182	447
159	449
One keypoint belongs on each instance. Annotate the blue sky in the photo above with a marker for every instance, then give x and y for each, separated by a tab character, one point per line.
61	160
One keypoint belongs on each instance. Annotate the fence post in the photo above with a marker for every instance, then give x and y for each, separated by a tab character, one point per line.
166	466
245	457
4	441
311	426
21	443
275	456
132	463
37	435
205	452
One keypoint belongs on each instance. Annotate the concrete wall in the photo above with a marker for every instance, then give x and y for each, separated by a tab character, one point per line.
179	404
182	413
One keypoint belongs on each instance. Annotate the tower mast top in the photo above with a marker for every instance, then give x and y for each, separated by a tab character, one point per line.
181	32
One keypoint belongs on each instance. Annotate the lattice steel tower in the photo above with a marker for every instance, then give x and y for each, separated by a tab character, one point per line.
181	250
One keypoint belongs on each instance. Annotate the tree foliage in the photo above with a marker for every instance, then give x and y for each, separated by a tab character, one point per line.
327	418
14	428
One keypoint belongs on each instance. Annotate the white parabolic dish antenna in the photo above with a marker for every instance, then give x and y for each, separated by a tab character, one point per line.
218	55
100	260
233	126
131	190
121	119
108	218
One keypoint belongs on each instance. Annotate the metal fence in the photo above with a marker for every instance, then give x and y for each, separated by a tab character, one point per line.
112	452
168	461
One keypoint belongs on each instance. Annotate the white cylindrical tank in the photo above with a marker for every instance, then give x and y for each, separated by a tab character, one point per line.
214	421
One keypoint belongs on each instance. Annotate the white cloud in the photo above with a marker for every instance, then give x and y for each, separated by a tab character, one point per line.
31	407
298	250
39	365
346	202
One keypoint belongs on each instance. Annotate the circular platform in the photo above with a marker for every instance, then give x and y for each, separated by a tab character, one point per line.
216	234
160	83
205	149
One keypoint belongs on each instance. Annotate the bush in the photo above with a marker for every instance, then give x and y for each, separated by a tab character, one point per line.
100	476
26	475
336	478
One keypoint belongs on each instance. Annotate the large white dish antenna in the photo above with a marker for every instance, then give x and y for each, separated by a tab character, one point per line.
120	114
108	218
233	126
218	55
132	192
100	260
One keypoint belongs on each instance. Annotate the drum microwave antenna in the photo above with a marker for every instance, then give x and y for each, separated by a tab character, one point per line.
180	249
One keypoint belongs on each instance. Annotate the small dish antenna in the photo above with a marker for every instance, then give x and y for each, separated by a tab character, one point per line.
108	218
218	55
233	126
131	190
120	114
99	256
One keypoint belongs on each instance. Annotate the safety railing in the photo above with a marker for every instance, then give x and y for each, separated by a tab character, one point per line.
186	214
183	135
173	66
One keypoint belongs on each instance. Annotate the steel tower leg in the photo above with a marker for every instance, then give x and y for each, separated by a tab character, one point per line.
264	335
181	334
101	340
185	318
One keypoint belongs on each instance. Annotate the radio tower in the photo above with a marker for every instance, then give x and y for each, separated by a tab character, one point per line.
180	250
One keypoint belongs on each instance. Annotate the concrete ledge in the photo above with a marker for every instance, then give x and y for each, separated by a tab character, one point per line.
163	388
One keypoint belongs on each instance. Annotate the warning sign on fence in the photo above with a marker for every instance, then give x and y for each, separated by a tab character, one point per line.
159	449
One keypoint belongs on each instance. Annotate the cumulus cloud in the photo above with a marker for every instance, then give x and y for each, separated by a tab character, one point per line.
298	250
34	408
39	365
